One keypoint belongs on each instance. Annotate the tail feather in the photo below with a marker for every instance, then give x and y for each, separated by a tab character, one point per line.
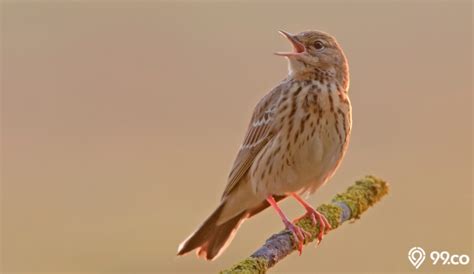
212	239
221	239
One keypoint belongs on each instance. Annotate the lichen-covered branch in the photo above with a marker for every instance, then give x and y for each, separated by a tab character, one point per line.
344	206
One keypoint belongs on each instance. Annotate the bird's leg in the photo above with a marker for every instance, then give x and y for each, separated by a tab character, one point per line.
298	233
316	217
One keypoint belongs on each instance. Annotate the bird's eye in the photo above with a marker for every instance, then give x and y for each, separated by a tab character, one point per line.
318	45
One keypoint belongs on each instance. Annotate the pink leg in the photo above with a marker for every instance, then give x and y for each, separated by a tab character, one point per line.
298	233
315	216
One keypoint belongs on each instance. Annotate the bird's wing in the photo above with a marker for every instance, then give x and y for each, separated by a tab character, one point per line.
260	131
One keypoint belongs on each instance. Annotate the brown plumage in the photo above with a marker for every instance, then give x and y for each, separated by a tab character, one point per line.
295	141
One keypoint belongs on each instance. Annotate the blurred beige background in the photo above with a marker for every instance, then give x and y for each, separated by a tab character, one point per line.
120	122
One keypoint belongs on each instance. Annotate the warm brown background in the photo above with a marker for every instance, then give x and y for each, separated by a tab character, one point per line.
121	121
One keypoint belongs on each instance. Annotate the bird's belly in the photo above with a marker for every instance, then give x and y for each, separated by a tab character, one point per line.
313	161
306	151
317	161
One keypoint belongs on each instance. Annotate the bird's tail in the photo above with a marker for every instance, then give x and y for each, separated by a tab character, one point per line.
212	238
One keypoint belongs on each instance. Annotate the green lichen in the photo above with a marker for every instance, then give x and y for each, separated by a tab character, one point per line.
248	266
359	197
332	214
363	194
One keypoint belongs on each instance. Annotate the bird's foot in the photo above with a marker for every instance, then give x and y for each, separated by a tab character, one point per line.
299	235
317	218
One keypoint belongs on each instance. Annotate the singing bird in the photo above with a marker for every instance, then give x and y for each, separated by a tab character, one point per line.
296	139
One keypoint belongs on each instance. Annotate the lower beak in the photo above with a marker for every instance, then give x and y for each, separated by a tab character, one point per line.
298	47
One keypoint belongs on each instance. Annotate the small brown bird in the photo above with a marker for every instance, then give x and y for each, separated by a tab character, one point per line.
296	139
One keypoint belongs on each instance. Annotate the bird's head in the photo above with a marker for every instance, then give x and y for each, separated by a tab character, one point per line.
314	51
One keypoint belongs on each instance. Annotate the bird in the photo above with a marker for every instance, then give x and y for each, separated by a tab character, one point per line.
297	137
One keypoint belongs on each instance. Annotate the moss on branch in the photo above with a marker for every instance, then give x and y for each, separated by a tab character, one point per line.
344	206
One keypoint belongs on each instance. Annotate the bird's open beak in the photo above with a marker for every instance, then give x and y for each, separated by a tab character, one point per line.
298	47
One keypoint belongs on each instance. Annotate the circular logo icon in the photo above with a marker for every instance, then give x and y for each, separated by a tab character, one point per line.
416	255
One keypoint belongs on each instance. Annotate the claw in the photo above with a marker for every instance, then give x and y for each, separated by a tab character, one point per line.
299	235
319	219
316	218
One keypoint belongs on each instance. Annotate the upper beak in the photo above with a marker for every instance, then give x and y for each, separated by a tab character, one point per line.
298	47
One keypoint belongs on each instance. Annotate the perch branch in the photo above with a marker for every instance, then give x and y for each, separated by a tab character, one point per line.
344	206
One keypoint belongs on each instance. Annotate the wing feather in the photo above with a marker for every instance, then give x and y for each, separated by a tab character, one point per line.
259	133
